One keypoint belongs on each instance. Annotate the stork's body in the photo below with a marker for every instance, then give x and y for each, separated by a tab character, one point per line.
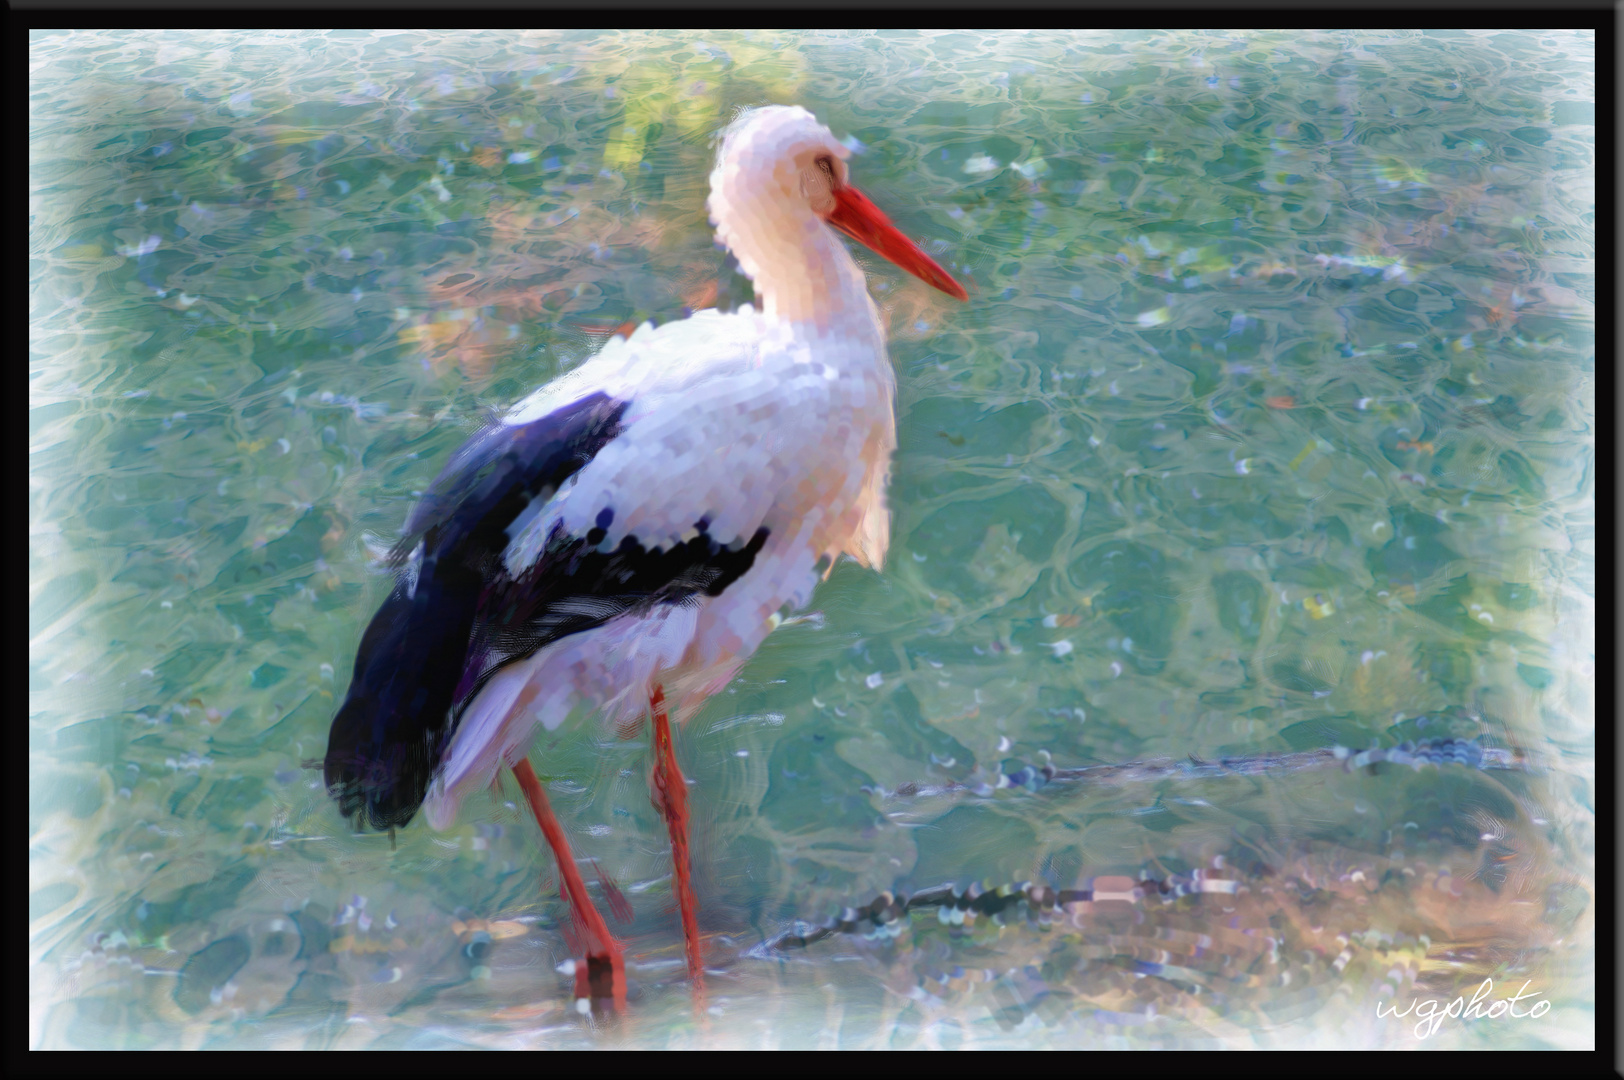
631	532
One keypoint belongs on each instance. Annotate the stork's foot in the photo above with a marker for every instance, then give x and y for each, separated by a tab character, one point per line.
600	980
671	799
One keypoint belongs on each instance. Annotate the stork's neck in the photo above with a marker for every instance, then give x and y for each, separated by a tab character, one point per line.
806	277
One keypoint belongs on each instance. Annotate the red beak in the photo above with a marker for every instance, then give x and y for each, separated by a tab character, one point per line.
864	222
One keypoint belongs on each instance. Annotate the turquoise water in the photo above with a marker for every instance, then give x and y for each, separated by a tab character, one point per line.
1269	428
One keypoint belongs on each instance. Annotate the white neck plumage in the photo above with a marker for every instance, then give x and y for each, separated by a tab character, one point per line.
822	287
799	266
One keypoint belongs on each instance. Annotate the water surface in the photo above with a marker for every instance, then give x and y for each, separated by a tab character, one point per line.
1268	429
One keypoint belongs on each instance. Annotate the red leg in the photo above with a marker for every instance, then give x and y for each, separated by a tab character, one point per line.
671	798
603	975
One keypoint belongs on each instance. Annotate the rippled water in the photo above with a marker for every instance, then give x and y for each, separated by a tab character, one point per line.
1268	429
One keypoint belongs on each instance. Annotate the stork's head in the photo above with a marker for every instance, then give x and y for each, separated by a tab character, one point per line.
780	176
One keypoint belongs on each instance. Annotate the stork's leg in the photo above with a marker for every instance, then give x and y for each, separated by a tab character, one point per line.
603	974
671	798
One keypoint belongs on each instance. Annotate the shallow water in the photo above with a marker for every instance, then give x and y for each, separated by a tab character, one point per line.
1268	429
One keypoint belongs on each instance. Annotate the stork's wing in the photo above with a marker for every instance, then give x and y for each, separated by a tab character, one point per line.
577	584
471	607
494	475
386	738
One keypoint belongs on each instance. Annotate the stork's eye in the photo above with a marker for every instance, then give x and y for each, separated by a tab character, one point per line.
827	164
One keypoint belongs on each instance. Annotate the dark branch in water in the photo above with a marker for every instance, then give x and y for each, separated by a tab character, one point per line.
884	915
1043	903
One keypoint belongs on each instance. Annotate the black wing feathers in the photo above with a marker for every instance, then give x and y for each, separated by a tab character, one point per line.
495	474
574	587
435	642
387	736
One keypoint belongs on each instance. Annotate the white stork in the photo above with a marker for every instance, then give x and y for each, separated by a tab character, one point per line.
627	535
